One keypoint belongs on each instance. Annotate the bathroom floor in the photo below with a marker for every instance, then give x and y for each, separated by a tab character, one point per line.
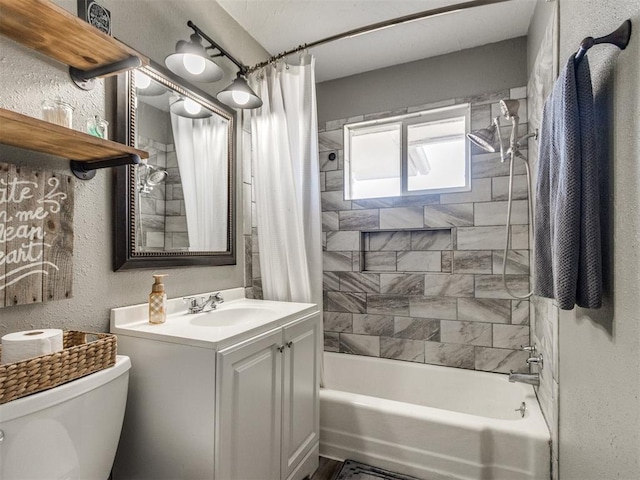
327	470
333	470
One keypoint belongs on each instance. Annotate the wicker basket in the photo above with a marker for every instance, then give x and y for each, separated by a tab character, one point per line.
77	359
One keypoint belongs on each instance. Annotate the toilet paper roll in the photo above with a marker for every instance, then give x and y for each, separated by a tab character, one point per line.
20	346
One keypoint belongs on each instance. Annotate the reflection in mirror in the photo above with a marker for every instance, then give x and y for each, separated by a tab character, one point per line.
178	208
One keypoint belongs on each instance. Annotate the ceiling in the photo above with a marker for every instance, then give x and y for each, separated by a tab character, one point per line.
280	25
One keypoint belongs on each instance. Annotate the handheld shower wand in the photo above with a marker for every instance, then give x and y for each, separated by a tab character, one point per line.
485	139
509	109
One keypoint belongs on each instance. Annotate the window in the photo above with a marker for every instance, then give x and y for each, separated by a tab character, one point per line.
419	153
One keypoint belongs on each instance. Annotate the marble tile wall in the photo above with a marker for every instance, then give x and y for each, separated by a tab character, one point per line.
417	278
252	276
164	221
544	312
176	234
152	207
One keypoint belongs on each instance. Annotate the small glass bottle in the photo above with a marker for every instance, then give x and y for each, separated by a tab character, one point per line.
58	111
98	127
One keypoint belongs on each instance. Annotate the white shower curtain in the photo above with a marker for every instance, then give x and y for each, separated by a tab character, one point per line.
201	149
287	182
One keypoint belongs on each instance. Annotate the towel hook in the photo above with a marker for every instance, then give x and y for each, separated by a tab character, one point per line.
620	38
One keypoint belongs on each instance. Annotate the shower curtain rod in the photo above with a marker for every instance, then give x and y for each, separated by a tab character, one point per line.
378	26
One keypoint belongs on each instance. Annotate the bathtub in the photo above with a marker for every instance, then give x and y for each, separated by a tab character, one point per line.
431	422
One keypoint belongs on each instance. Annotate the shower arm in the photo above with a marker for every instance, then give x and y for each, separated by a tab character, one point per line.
527	136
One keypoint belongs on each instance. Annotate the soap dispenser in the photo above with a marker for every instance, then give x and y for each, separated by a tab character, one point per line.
158	301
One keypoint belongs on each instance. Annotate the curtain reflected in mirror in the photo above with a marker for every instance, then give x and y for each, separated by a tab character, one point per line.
204	183
179	203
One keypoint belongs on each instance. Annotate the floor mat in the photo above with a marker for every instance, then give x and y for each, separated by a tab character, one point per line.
352	470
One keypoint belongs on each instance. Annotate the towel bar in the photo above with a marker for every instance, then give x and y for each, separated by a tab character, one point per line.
619	38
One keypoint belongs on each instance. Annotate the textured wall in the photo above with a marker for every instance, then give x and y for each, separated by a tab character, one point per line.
27	78
488	68
430	289
600	349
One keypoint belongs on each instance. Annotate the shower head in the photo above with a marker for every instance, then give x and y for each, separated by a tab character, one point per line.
485	138
509	108
156	176
150	176
490	139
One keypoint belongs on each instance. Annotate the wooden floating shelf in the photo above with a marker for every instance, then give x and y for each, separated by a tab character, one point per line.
33	134
49	29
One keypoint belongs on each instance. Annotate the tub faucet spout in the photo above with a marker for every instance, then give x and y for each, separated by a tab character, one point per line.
529	378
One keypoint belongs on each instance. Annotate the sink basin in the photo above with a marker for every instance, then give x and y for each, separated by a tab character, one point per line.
236	319
233	317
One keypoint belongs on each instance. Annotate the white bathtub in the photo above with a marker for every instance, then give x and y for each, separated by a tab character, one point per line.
431	422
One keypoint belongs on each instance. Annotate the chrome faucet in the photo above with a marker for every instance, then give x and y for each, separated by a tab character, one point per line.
216	299
536	360
529	378
198	305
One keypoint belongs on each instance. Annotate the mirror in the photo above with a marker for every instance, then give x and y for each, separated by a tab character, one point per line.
176	208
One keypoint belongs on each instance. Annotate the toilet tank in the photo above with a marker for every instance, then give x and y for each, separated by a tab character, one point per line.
69	432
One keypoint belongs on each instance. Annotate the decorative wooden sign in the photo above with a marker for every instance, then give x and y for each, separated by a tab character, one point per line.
36	235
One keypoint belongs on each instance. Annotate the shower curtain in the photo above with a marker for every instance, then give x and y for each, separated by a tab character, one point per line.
287	182
202	159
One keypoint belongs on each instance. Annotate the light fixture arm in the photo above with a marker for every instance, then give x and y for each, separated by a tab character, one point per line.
243	68
237	95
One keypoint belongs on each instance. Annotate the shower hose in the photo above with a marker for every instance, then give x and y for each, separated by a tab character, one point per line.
513	154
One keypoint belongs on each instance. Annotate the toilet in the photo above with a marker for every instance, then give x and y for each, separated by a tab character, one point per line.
70	432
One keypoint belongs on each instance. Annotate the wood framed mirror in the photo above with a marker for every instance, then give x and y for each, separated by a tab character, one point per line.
178	208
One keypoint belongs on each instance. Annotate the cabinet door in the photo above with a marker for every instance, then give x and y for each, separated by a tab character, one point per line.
249	409
300	402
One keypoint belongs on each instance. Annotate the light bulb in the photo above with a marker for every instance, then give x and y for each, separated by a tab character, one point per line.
192	107
142	80
193	63
240	97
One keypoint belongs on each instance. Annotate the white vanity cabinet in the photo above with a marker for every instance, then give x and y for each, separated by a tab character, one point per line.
212	399
267	408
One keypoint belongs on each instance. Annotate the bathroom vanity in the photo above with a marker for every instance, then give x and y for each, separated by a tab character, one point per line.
230	394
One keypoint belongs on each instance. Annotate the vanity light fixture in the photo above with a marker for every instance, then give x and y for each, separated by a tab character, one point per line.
147	87
142	81
239	94
185	107
193	62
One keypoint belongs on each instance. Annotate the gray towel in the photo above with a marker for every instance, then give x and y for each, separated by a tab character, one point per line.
568	258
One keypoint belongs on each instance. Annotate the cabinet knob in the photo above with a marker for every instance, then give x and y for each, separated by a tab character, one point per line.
289	344
281	348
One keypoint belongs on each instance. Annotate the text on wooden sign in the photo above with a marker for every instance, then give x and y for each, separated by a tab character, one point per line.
36	235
